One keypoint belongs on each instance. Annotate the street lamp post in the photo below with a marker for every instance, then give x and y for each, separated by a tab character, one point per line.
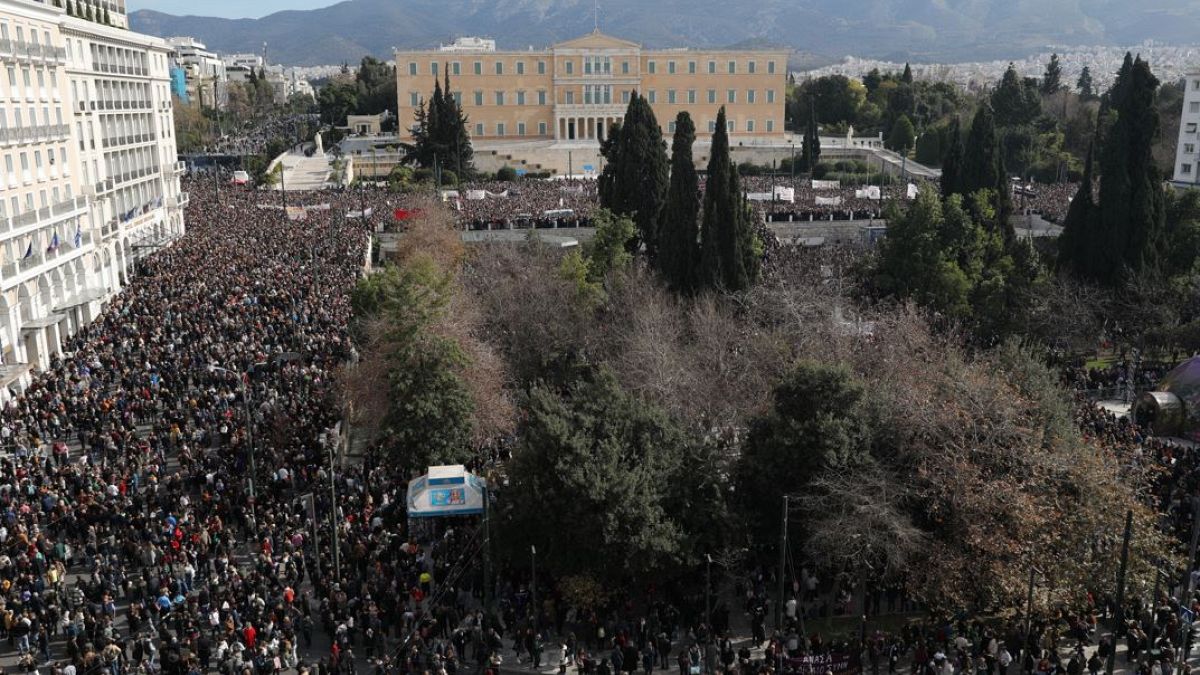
707	588
793	163
533	586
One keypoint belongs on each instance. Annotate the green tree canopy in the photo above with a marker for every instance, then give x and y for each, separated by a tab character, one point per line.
679	249
610	469
1052	78
635	176
903	136
816	421
728	255
1014	101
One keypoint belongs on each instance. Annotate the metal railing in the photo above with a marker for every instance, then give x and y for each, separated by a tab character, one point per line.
63	209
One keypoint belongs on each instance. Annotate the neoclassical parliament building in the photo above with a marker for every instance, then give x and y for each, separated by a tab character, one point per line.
573	90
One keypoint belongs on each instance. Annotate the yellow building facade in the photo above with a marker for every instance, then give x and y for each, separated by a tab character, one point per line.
574	90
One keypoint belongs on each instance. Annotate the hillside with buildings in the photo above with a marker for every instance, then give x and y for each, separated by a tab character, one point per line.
928	30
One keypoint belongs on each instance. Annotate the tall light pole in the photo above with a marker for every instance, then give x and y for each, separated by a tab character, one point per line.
783	537
707	588
533	586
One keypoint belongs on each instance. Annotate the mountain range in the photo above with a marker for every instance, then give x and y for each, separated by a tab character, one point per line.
916	30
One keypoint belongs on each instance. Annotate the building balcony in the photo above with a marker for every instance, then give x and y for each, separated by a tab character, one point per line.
179	202
34	134
55	213
25	51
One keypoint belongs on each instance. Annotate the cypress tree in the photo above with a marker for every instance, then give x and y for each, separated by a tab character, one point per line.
1133	213
812	142
907	77
1052	78
610	149
678	250
1077	241
951	180
454	141
983	169
638	184
723	262
1084	84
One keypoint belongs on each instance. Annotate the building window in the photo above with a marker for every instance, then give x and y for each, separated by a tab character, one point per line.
750	65
671	67
1188	148
570	66
542	98
499	128
770	67
1196	85
569	97
652	97
671	96
712	95
541	128
691	95
520	67
625	96
750	126
712	127
770	126
478	98
457	68
479	128
712	67
587	93
691	67
457	98
541	67
1185	168
433	68
412	69
499	98
1194	107
520	128
624	67
770	96
414	99
671	127
731	96
1190	128
732	67
730	126
587	66
520	98
479	67
651	67
749	96
499	67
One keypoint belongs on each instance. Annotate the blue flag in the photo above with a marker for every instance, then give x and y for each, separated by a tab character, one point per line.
53	244
28	250
78	237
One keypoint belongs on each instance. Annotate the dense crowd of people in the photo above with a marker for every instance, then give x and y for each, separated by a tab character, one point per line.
525	203
253	136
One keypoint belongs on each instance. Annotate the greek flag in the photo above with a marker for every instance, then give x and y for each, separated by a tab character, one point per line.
78	237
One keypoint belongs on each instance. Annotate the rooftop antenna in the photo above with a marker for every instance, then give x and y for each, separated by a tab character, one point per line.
596	20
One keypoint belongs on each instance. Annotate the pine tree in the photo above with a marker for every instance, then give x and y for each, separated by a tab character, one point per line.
458	153
951	180
1084	84
678	251
1014	102
1052	78
723	237
907	77
637	186
812	143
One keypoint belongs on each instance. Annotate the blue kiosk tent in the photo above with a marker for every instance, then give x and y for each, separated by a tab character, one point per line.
446	491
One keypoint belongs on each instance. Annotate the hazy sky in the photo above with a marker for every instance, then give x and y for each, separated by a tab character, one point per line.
233	9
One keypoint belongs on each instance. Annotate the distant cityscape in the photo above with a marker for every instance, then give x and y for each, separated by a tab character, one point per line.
1170	64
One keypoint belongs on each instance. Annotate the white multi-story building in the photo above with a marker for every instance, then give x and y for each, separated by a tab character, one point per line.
87	168
205	71
1187	152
